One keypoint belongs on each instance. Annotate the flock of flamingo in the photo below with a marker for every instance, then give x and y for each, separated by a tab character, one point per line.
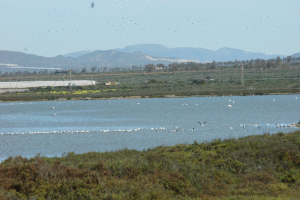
157	129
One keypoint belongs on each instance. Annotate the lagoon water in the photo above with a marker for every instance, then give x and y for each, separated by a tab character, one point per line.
30	128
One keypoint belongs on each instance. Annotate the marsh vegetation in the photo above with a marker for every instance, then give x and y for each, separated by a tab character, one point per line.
254	167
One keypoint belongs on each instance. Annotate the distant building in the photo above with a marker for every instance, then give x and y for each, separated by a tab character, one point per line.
112	83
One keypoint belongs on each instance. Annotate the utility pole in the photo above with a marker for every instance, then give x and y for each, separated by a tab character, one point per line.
242	75
70	81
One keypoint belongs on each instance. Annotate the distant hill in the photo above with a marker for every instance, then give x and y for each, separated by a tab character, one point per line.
200	54
113	58
15	61
22	61
76	54
296	55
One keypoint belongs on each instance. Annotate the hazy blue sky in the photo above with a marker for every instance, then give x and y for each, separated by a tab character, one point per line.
53	27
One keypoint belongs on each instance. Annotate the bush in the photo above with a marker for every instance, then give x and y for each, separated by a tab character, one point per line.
199	82
153	81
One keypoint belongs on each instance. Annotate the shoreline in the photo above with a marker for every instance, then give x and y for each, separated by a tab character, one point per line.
146	97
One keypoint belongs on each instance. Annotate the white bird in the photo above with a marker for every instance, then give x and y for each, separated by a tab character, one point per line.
53	108
202	124
229	106
54	114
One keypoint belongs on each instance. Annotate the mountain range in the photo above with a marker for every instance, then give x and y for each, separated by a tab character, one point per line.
189	53
200	54
15	61
138	55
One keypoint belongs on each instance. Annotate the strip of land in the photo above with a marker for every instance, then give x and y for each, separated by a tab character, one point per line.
129	84
254	167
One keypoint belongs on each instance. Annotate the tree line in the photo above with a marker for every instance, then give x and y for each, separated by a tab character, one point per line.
188	66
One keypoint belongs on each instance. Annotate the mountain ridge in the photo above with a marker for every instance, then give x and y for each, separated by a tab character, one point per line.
200	54
100	58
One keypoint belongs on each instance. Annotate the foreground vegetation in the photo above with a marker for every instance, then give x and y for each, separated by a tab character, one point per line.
224	81
254	167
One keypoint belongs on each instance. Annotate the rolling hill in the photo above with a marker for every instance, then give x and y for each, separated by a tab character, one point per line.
15	61
200	54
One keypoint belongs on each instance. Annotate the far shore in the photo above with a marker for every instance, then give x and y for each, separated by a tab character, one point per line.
145	97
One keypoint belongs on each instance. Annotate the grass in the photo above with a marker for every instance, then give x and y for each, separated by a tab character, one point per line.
254	167
227	81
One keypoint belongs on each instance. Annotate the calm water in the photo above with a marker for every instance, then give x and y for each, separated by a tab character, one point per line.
82	126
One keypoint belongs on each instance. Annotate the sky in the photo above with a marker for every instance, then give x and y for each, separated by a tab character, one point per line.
56	27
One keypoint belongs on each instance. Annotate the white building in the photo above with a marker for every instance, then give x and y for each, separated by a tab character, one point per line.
29	84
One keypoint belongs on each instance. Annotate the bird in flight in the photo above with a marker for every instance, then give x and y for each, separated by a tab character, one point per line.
92	5
202	124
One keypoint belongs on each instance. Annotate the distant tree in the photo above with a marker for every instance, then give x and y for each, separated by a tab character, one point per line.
134	67
263	64
149	68
83	70
270	64
173	67
236	65
289	59
213	65
161	65
249	65
94	69
278	61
